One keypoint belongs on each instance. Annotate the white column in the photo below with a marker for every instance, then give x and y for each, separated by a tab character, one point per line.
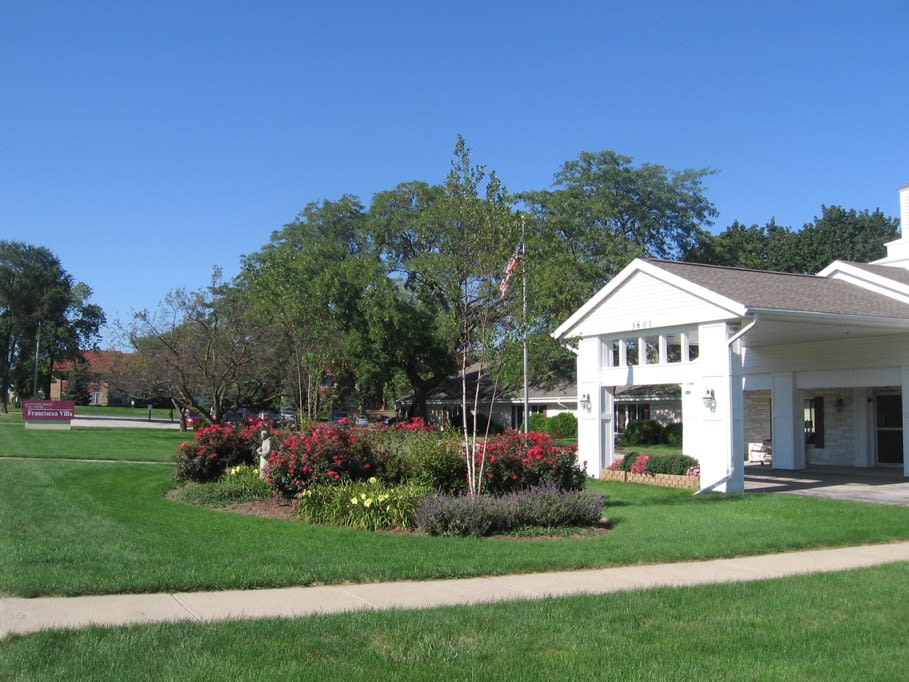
715	432
607	428
788	449
861	417
905	403
590	433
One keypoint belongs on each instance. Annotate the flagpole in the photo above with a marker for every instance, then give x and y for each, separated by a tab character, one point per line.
524	325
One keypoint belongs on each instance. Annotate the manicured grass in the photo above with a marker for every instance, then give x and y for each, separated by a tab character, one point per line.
839	626
79	528
659	449
141	445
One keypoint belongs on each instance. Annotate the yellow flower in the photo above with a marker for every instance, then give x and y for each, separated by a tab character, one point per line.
372	480
353	500
368	503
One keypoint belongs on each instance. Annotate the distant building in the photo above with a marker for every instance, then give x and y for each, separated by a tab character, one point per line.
506	407
98	367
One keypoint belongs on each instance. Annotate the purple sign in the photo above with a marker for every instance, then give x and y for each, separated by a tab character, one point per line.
48	410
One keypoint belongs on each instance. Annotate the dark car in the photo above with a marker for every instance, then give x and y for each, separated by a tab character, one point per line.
194	420
270	418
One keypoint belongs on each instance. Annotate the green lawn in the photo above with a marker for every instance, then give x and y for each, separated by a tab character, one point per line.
839	626
106	527
151	445
77	528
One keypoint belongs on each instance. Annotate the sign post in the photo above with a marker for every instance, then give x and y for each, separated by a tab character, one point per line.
48	414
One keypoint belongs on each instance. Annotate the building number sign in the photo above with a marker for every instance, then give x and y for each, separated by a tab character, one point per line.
641	324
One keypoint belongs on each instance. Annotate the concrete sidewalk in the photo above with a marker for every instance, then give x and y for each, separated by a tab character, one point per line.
21	616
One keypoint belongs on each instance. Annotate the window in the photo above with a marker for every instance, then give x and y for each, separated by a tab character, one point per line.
813	411
673	349
652	346
631	352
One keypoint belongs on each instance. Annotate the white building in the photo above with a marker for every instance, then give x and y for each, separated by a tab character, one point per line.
817	364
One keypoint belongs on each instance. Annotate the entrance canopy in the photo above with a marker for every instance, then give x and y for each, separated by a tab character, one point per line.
839	340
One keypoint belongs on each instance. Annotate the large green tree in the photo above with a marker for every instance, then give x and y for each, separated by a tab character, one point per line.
45	316
446	246
312	282
767	247
837	234
602	212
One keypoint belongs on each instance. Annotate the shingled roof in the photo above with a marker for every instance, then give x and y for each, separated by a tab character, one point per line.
780	291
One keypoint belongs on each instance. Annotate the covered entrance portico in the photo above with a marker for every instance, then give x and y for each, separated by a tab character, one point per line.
817	365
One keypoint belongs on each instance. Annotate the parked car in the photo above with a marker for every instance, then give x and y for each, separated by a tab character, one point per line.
273	420
361	420
338	417
194	420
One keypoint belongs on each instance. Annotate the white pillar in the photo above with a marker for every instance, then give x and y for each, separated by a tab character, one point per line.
591	444
788	449
905	403
713	441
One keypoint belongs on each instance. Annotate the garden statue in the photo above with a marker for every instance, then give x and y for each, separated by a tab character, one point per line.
263	453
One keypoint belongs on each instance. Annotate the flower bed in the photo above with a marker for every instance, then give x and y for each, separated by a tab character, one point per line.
665	480
670	471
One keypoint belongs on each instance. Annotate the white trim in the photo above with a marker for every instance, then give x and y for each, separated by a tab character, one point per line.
564	330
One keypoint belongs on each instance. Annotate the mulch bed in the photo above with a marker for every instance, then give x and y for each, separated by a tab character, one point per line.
275	508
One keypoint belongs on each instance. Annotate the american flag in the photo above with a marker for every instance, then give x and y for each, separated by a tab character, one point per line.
509	270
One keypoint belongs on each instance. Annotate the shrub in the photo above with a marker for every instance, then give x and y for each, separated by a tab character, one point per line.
671	464
543	506
643	432
457	515
538	422
515	461
639	463
326	454
212	451
370	505
563	425
238	484
421	455
672	435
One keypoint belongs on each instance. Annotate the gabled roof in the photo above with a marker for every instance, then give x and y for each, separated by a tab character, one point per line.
99	361
760	290
740	291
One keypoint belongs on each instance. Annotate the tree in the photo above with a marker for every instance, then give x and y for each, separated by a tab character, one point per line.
447	245
409	326
308	283
205	351
771	247
837	234
603	212
44	316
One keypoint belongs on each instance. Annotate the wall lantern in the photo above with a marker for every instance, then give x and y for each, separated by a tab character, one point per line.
709	399
585	401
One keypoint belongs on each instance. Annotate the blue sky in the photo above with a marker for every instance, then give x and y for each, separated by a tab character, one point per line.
145	143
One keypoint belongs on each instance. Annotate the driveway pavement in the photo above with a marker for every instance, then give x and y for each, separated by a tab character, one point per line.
884	486
125	422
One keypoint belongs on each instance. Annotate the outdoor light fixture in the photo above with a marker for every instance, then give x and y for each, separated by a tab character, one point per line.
709	399
585	401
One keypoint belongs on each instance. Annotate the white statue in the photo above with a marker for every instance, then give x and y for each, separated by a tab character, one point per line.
263	453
